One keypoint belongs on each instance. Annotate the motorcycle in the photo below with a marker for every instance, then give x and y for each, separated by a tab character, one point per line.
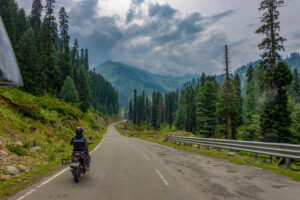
77	164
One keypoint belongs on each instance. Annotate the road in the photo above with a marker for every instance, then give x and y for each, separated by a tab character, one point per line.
125	168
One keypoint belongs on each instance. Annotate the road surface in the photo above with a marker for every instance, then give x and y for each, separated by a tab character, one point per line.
125	168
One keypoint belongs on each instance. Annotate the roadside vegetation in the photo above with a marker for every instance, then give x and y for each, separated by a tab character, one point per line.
242	158
35	134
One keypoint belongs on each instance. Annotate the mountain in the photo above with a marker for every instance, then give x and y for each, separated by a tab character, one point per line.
125	78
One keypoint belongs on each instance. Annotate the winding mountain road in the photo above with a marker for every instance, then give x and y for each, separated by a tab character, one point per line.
125	168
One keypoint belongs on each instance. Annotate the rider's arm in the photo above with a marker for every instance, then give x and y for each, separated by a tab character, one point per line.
86	145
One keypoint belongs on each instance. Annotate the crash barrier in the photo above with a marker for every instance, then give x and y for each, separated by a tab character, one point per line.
282	150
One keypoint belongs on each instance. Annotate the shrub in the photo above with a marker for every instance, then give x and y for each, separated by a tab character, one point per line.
16	149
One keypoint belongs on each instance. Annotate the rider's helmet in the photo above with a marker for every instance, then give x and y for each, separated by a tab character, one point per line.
79	132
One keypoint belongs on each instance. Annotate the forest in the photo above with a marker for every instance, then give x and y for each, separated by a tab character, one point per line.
268	111
49	65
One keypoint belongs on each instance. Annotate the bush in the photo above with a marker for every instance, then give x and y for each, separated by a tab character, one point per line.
16	149
33	106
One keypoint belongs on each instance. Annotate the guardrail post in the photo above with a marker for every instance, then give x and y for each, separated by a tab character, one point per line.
275	159
256	155
287	162
191	144
198	146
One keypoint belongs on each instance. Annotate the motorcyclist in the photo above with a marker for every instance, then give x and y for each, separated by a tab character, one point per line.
81	145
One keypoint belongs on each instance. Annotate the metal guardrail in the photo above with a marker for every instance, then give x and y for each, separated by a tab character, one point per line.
287	151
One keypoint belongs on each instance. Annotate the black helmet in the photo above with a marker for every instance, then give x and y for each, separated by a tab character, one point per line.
79	132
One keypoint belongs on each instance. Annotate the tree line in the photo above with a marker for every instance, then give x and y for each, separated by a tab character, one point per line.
48	64
269	111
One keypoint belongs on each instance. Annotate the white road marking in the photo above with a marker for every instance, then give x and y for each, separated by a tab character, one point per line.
28	193
53	177
56	175
97	147
146	157
162	178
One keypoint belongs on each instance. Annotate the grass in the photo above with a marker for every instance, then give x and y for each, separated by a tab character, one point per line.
45	122
242	158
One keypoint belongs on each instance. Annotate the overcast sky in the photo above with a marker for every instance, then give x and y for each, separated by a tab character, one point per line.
173	36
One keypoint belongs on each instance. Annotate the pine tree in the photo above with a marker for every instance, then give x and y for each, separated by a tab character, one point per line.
148	109
83	87
206	115
103	96
75	50
202	79
190	110
135	106
35	16
22	23
154	112
237	104
28	62
251	96
180	116
228	95
82	56
160	109
64	62
68	91
86	59
275	117
130	110
64	28
143	106
75	60
295	86
170	106
272	44
52	74
295	128
8	13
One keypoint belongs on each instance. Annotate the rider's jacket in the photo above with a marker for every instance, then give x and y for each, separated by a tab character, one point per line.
80	144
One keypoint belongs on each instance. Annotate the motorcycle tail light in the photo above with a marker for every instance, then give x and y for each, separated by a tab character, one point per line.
77	154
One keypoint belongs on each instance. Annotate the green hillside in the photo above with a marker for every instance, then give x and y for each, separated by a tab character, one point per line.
35	133
125	78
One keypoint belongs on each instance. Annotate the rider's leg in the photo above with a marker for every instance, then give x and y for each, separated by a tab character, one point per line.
88	161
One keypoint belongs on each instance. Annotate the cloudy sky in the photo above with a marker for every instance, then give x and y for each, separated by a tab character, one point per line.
173	36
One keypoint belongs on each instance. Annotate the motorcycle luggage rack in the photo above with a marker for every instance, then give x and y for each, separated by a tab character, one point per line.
66	161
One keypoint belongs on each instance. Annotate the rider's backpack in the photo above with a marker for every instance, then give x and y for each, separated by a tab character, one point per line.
79	144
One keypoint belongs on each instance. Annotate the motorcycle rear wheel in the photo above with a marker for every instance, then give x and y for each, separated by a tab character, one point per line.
76	174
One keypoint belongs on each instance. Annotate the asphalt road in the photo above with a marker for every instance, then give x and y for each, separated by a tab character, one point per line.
131	169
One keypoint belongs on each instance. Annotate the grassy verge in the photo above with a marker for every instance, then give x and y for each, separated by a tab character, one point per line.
241	158
40	122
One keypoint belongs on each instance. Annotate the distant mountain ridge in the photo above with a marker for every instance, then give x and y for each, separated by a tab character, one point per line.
125	78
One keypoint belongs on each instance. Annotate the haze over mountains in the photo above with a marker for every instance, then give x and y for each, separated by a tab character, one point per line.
125	78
